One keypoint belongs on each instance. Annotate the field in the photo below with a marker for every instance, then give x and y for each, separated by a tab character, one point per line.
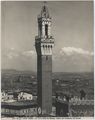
72	83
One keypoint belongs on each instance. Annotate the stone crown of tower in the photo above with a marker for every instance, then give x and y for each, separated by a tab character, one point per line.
44	12
44	41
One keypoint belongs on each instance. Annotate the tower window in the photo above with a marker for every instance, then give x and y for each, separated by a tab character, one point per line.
46	30
46	57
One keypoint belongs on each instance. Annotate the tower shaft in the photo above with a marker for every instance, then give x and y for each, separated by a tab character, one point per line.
44	43
44	76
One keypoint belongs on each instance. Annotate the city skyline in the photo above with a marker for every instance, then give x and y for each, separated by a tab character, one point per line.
72	28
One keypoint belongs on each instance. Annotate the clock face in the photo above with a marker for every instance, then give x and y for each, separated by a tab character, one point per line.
39	110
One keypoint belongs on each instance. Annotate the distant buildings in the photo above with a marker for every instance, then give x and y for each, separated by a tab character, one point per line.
18	104
7	96
19	108
63	106
13	96
25	96
74	107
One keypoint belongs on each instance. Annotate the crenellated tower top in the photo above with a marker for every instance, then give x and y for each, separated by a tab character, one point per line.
44	38
44	12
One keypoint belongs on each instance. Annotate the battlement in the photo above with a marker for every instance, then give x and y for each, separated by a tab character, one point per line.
44	38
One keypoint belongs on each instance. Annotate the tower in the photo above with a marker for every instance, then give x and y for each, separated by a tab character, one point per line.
44	43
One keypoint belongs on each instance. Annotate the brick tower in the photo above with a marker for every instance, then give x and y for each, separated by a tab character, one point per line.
44	43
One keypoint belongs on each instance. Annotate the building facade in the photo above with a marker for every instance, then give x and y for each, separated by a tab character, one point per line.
19	109
25	96
75	108
44	43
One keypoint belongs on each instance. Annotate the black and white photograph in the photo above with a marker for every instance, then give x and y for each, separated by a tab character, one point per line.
47	59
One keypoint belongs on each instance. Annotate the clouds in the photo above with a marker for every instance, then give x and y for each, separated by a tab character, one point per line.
72	26
66	59
12	53
72	59
29	53
72	50
20	60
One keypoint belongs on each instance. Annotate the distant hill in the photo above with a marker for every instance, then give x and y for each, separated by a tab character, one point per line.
13	71
65	82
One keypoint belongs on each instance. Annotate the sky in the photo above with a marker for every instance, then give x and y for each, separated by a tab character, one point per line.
72	29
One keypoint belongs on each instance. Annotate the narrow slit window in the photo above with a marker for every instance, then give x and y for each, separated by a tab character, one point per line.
46	30
46	57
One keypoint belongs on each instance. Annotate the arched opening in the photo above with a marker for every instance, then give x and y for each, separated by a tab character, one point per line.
46	30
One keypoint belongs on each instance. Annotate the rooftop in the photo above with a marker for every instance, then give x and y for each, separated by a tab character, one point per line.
19	104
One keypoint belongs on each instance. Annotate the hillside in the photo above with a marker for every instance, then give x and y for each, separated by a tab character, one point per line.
12	80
